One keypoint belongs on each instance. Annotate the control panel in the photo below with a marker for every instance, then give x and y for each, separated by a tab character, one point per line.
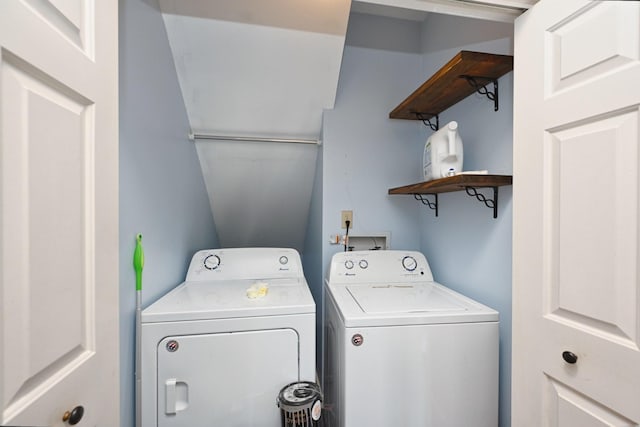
379	267
244	263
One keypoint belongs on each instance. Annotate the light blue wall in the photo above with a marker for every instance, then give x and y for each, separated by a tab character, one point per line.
365	153
312	252
162	193
467	249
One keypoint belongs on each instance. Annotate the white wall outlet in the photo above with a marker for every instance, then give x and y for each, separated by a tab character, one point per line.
346	216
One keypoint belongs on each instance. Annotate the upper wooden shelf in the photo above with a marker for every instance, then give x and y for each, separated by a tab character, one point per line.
449	85
454	183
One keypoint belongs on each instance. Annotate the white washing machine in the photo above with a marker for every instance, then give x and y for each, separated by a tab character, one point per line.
402	350
217	349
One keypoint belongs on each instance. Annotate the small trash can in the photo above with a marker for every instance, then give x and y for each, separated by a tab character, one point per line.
300	404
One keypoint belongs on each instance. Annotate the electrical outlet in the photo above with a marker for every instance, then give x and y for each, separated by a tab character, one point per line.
346	216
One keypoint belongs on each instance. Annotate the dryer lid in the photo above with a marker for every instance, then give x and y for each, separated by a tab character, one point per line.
405	298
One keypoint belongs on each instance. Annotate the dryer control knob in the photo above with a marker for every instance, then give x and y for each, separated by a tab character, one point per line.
212	262
348	264
409	263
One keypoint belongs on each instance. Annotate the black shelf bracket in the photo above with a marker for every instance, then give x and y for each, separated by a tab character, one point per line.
427	122
482	88
490	203
432	205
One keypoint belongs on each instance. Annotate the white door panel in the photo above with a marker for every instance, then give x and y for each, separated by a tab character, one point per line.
576	211
72	19
46	289
591	177
572	64
567	407
58	211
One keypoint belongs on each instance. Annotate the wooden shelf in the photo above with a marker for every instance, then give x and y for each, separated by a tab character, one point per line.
448	86
467	183
463	75
454	183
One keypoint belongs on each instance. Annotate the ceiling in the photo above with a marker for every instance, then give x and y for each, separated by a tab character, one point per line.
321	16
256	67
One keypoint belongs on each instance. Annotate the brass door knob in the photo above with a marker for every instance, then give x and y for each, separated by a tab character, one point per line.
74	416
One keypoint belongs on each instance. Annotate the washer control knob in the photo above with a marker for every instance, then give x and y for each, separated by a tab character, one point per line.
348	264
409	263
363	264
283	260
212	262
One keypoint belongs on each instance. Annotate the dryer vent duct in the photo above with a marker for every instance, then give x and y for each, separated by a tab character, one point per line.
260	192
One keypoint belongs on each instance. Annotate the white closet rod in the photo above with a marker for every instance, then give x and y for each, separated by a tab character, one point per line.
194	136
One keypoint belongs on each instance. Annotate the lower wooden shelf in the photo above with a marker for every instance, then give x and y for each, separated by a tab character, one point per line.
467	183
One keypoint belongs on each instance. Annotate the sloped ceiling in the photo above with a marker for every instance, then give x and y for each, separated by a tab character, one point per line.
256	67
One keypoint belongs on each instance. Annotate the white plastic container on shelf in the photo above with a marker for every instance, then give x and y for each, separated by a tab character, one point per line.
443	153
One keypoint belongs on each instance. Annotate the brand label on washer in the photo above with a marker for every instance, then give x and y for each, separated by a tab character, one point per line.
357	340
172	346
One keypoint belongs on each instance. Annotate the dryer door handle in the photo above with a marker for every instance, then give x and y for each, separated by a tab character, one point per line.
170	396
175	396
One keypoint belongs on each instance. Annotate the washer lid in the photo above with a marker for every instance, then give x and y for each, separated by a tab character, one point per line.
397	304
404	298
231	299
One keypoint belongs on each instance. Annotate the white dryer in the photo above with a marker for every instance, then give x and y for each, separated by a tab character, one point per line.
402	350
217	349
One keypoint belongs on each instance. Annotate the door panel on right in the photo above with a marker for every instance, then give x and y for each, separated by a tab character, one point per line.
592	209
576	212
